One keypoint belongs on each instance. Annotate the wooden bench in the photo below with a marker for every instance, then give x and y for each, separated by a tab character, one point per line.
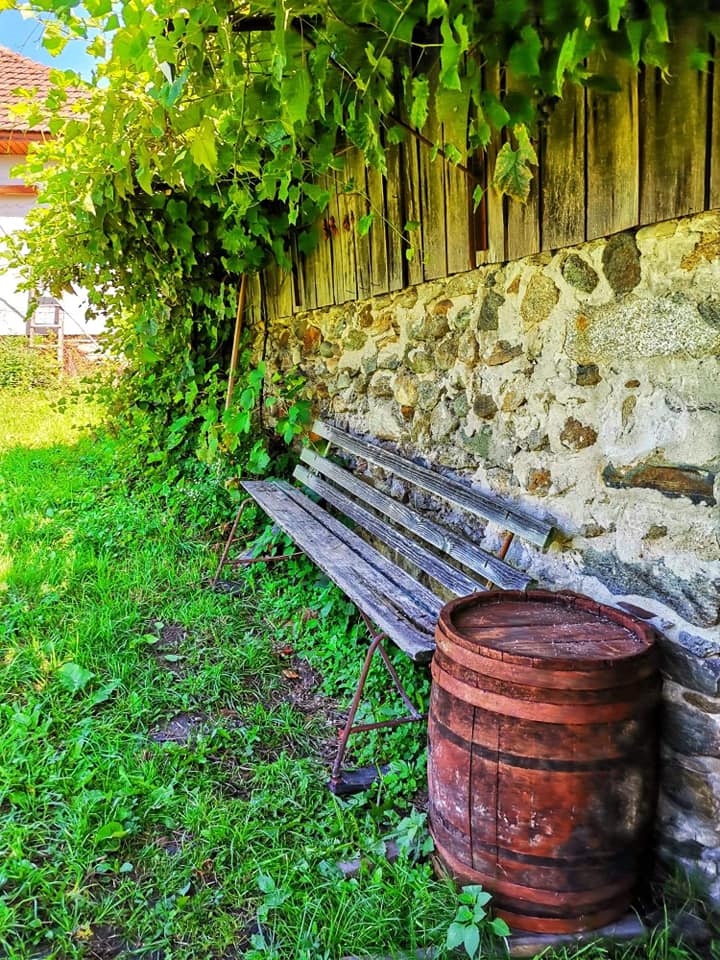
388	597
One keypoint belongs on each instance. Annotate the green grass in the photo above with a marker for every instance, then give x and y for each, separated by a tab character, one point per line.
110	835
165	748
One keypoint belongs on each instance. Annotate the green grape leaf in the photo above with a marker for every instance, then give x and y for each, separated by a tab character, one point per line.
566	60
699	59
420	99
658	18
181	236
202	145
495	111
435	9
525	147
525	53
452	50
615	9
53	39
635	30
296	95
512	176
364	223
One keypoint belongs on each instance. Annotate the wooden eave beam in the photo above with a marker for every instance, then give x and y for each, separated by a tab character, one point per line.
16	142
17	190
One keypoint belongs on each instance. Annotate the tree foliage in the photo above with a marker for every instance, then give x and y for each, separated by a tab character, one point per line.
196	156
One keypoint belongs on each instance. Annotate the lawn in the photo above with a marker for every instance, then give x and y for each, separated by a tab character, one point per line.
166	748
163	774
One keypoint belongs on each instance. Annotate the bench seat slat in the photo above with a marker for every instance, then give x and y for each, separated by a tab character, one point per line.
344	558
496	570
417	600
443	573
536	531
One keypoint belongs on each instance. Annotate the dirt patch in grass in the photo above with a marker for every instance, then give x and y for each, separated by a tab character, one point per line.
301	690
181	729
173	844
168	646
172	635
106	943
421	800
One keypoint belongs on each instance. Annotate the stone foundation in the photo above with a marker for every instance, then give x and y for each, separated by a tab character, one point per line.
585	383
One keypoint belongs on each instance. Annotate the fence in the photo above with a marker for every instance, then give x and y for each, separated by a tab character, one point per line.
607	162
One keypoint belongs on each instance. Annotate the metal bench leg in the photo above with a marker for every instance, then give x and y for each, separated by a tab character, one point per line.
360	780
501	554
245	560
336	776
230	540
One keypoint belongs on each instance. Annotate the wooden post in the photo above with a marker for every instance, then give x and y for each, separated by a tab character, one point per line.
236	340
60	321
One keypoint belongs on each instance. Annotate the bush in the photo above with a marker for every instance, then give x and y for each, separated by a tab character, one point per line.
22	366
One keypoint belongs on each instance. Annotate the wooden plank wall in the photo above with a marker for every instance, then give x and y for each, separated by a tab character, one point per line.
607	162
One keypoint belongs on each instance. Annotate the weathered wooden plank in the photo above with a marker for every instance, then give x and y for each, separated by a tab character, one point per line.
523	222
714	161
393	211
673	144
417	601
348	567
297	280
497	571
279	298
480	504
378	236
496	251
268	306
613	151
432	192
358	207
459	232
343	241
412	206
523	219
322	256
307	272
253	303
272	302
435	567
459	225
562	162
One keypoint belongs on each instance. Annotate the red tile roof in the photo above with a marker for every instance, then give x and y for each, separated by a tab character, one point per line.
18	71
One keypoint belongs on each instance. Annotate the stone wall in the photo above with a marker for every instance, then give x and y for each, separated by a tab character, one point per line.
585	382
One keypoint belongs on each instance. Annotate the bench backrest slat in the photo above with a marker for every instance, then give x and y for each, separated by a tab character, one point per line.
443	573
498	572
536	531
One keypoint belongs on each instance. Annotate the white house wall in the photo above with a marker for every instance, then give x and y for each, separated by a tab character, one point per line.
13	302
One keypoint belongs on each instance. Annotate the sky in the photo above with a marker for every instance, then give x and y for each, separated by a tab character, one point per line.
25	36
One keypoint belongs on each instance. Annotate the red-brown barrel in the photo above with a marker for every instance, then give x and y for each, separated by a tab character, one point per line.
541	754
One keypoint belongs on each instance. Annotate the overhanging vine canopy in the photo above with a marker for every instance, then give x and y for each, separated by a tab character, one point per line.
196	157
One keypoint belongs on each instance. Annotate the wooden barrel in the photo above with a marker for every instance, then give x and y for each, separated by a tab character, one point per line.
542	754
